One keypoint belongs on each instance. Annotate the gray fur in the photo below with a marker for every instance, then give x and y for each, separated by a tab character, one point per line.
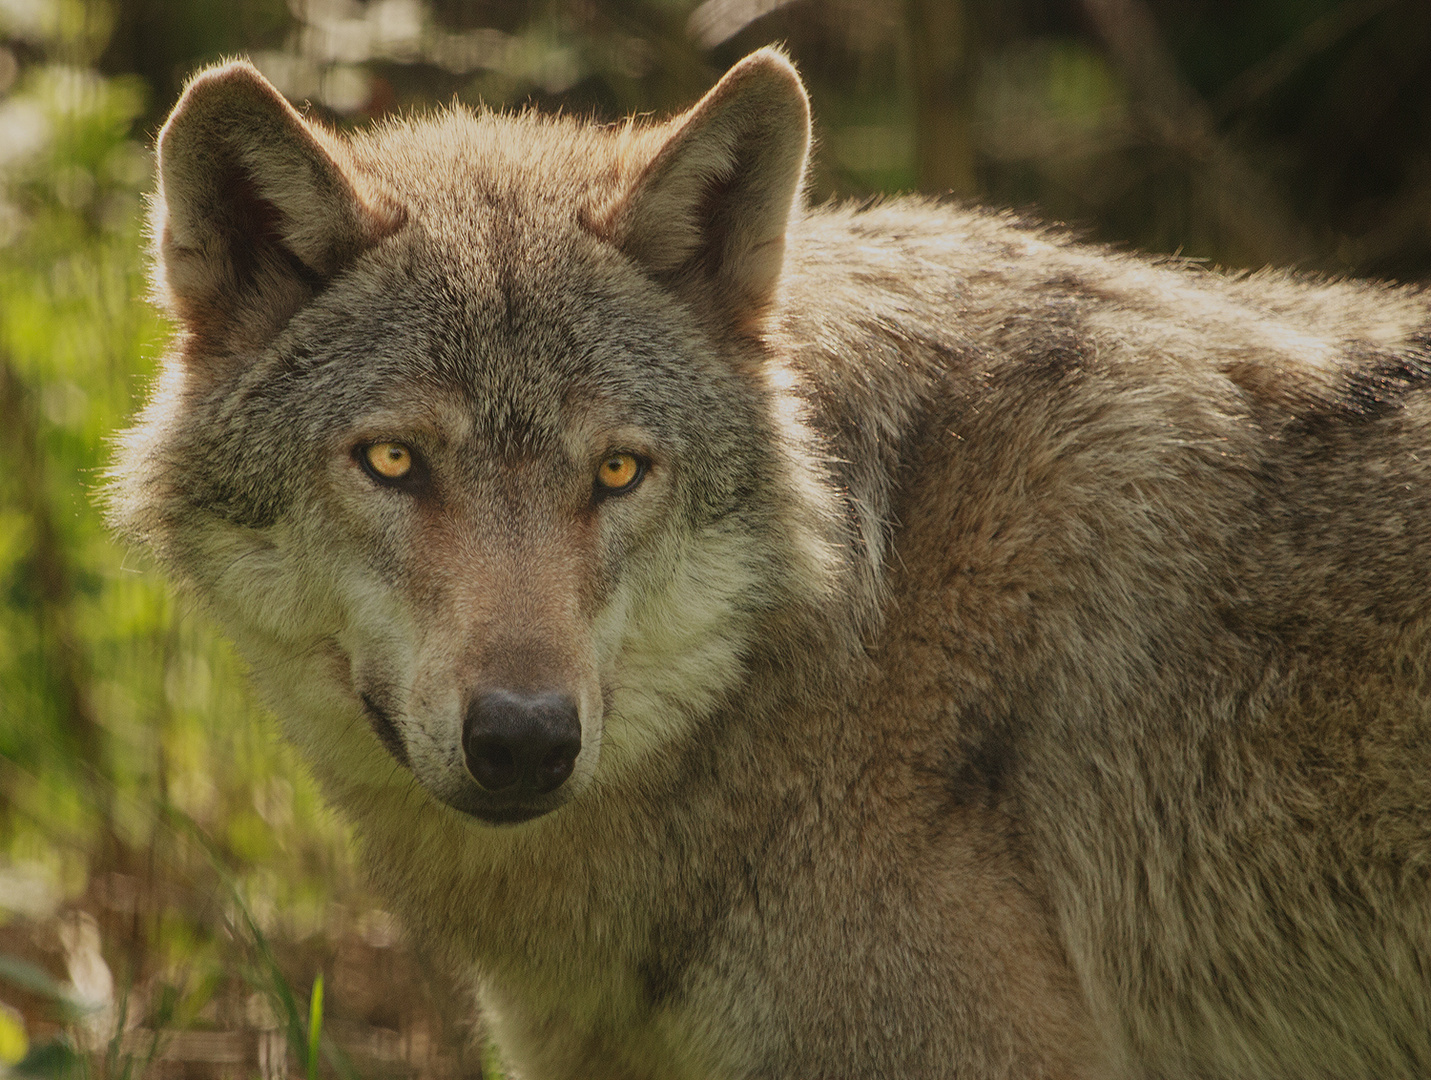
1014	665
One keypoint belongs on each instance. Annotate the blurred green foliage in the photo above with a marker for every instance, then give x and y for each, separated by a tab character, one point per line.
138	782
166	867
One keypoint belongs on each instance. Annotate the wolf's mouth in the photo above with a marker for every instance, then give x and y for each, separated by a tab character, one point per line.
489	813
386	731
490	808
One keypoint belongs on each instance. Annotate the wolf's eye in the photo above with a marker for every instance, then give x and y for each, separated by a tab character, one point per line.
619	473
387	460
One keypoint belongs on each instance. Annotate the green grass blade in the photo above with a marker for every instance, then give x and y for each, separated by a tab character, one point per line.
315	1025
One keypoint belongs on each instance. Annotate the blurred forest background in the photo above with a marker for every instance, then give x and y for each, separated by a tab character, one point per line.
174	899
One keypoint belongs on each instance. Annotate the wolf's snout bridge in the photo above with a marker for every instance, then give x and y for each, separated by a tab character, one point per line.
521	741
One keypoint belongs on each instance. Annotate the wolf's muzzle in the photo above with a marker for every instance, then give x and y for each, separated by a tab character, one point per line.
521	743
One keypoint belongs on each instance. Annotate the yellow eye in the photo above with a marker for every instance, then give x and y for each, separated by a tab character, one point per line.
618	471
389	460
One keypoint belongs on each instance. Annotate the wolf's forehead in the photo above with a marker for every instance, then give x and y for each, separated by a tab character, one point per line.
485	399
526	325
522	393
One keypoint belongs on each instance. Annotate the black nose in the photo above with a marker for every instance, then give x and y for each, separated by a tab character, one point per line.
521	739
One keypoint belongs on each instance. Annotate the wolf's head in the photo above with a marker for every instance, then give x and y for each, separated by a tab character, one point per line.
470	437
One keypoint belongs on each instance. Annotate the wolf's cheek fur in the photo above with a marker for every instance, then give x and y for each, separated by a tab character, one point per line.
285	612
264	585
671	641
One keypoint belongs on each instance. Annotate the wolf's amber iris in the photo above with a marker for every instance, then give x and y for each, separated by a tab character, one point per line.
389	459
618	471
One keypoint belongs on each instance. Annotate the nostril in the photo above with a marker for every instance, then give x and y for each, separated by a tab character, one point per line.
527	741
557	766
491	764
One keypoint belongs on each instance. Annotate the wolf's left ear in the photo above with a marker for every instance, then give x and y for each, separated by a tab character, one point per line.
711	209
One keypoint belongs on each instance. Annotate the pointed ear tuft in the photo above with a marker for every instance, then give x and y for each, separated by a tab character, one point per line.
256	208
711	210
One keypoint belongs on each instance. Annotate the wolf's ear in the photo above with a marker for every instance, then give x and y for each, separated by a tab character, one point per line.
711	209
256	208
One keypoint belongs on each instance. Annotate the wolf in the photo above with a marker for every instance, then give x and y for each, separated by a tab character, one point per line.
754	640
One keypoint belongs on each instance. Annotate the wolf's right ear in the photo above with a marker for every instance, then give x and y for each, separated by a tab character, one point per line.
710	211
256	209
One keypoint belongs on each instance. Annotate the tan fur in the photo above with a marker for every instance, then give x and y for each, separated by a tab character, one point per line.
1012	664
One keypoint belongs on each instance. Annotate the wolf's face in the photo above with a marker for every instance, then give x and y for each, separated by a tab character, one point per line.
530	506
491	463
